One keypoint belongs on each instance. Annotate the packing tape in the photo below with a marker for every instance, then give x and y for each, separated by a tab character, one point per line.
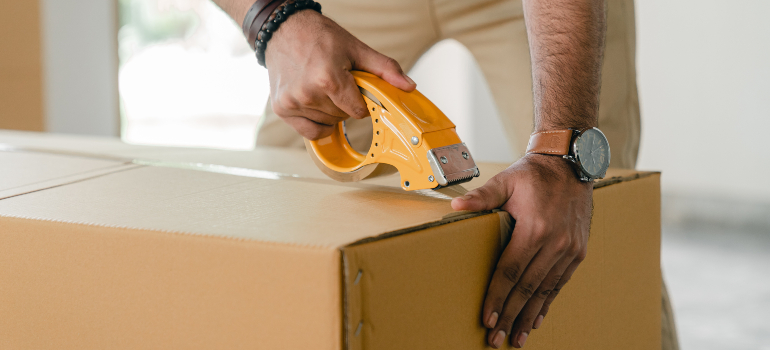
272	175
446	193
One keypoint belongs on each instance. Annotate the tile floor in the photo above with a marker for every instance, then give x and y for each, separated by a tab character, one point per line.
719	282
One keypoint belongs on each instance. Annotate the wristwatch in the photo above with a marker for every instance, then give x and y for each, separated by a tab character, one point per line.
587	149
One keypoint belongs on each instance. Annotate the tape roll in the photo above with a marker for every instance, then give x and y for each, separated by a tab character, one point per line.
365	172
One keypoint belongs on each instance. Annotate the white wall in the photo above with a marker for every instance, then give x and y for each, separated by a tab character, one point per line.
80	62
704	82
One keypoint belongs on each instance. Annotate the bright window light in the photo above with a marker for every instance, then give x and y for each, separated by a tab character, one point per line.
187	76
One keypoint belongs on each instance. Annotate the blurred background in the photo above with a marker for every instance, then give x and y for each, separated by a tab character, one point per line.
178	72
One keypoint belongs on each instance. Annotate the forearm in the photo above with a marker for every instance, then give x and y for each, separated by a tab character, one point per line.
566	39
235	8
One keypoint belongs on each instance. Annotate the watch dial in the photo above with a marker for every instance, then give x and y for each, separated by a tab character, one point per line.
593	152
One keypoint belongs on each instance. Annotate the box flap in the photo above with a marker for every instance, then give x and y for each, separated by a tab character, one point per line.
97	146
285	211
232	194
23	172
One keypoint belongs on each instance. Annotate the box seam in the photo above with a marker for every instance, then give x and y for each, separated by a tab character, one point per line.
173	232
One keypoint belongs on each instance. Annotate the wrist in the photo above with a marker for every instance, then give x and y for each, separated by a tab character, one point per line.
563	123
549	117
280	12
291	28
586	149
554	168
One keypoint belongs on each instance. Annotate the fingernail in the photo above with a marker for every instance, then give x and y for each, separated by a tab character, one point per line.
522	339
408	78
466	197
538	322
497	342
492	320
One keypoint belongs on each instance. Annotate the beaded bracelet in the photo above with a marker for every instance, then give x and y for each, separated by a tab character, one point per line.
279	15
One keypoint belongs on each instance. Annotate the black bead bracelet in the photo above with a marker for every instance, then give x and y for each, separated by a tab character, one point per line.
279	15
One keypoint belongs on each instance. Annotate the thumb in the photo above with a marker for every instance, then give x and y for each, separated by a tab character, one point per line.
490	196
384	67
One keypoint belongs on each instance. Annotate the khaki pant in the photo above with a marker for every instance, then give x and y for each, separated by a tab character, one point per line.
494	32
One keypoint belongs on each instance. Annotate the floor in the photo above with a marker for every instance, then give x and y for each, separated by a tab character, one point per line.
719	282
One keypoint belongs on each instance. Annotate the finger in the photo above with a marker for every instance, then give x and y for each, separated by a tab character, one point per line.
346	96
305	98
522	327
512	264
308	128
320	117
555	292
524	289
388	69
490	196
328	108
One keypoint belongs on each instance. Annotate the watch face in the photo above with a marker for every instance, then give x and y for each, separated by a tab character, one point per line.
593	152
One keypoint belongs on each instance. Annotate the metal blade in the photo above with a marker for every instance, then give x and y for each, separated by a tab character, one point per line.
453	191
452	164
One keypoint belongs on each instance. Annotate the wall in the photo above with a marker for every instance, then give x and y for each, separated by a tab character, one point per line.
80	65
21	86
704	82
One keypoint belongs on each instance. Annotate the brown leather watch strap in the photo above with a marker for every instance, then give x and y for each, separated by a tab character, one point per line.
256	17
556	142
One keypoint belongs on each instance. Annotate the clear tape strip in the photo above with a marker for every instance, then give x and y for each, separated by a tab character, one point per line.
446	193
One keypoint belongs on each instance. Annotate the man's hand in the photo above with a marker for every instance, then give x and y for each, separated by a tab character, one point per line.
309	60
552	209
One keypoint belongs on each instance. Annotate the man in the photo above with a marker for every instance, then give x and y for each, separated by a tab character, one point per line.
309	59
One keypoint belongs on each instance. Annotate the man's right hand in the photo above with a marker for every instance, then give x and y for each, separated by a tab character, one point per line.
309	59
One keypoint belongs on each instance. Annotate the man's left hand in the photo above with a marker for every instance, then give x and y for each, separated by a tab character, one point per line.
552	209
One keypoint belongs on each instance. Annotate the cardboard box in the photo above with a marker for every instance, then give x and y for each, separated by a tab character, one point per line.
21	66
219	249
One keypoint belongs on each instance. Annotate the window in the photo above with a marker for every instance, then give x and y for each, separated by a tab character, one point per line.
187	77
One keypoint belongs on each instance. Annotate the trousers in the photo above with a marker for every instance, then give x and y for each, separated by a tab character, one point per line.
495	33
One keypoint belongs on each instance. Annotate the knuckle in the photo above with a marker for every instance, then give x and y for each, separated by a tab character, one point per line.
511	273
526	289
564	245
541	228
359	108
392	63
328	84
581	255
304	98
359	113
310	133
316	132
278	109
285	103
496	181
545	292
575	249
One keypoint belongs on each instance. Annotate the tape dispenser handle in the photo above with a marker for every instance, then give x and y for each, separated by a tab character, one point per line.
405	125
338	159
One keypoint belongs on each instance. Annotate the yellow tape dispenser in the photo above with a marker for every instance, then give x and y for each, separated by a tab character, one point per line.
410	135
